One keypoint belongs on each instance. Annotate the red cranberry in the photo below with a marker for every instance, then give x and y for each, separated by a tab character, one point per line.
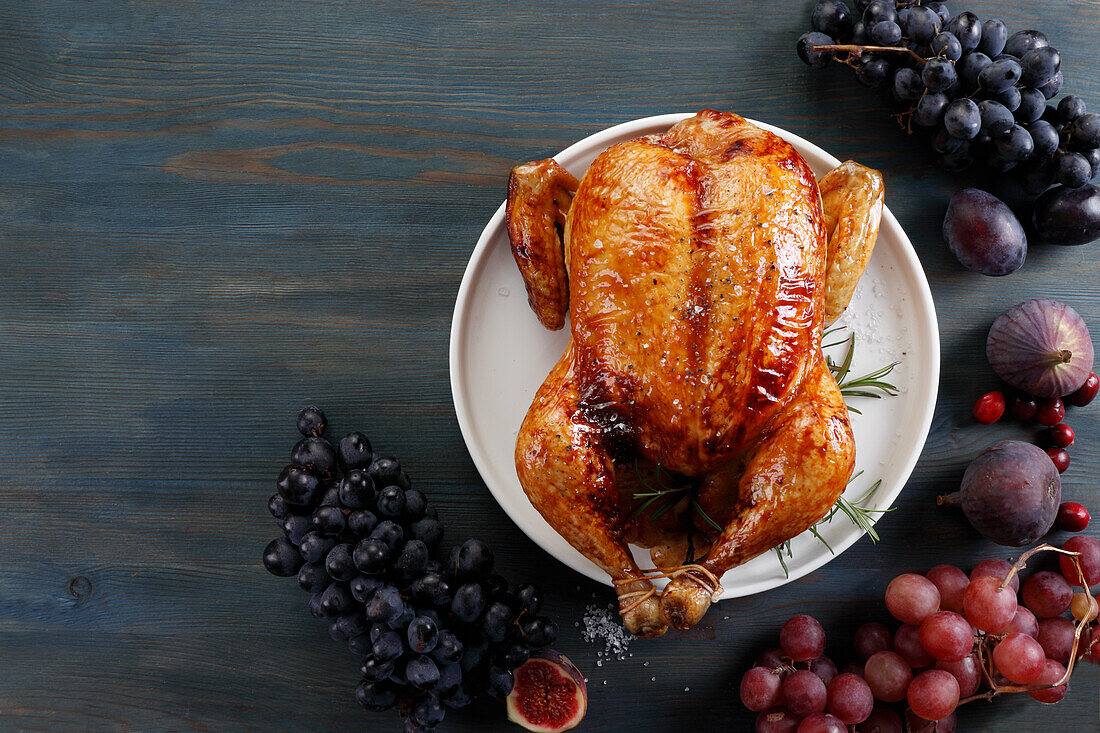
1086	392
1072	517
1024	407
989	408
1051	412
1060	458
1061	435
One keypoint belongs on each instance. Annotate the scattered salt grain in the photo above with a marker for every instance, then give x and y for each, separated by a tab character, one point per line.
687	689
601	624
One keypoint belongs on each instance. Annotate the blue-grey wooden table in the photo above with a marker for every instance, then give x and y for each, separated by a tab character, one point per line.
213	212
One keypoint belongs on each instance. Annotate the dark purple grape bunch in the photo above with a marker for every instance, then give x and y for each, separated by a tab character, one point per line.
981	93
365	545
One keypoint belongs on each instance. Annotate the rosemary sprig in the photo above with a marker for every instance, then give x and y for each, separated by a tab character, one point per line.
779	553
871	385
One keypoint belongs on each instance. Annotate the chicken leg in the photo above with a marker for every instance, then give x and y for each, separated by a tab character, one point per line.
569	477
793	477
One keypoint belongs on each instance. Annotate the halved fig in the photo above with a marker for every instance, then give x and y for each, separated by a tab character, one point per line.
549	694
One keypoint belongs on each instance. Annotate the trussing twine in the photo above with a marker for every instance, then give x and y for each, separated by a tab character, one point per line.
698	573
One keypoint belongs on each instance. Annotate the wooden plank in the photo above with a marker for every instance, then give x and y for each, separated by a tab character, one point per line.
213	212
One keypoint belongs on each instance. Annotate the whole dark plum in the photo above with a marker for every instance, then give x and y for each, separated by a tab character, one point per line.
1068	216
1010	493
983	233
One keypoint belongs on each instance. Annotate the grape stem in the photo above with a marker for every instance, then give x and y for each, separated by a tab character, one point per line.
856	50
984	660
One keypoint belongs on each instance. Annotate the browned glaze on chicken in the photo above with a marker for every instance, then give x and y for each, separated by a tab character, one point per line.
694	264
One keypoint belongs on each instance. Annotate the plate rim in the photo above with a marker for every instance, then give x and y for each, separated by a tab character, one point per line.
458	342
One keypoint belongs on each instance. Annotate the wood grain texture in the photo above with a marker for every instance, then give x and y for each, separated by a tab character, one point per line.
214	211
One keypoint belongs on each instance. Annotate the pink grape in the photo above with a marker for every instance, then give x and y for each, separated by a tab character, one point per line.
888	675
995	569
777	720
1019	658
804	693
933	694
774	660
907	644
802	638
917	724
822	723
872	638
987	606
881	720
760	689
1047	594
824	668
911	597
1056	637
966	672
951	583
1024	622
849	698
1089	547
1052	672
947	636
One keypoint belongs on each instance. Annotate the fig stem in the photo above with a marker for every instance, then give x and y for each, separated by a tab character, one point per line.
954	499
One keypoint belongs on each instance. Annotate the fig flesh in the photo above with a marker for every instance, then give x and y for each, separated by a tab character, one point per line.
1010	493
1042	347
549	694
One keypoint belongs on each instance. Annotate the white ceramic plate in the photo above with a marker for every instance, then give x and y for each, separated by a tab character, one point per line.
500	355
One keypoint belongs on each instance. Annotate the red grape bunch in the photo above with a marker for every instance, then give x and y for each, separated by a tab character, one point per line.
961	638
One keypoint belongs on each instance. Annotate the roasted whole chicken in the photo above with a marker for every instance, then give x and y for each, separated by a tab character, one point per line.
699	269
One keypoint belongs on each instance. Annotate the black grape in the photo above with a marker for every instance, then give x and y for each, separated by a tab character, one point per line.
313	578
1044	136
1084	134
945	45
929	110
357	490
962	119
282	558
1015	145
316	454
938	74
994	35
375	696
1000	75
339	564
907	85
885	33
295	528
1073	169
314	546
312	421
1032	104
967	29
996	120
1020	42
833	18
1040	66
353	451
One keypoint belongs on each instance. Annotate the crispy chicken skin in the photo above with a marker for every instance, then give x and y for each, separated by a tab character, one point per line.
694	267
